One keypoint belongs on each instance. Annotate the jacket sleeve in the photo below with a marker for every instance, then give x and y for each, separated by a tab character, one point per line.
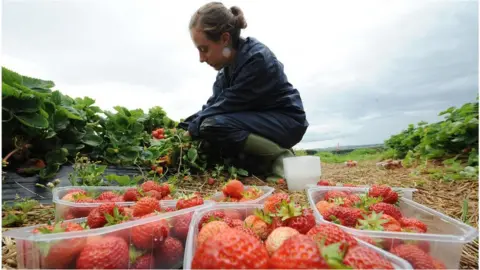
254	79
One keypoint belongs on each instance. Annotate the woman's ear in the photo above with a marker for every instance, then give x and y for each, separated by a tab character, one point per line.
225	38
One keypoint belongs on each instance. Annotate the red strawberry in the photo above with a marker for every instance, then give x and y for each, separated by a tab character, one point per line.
81	211
379	222
76	190
73	194
257	224
384	192
145	261
210	229
150	185
104	253
154	194
386	208
413	224
145	206
418	258
211	181
343	215
67	248
233	188
131	195
438	264
360	257
302	223
323	183
233	214
211	216
232	249
272	203
297	252
247	230
169	254
165	189
189	201
331	234
95	219
277	237
236	223
181	225
150	234
107	196
277	222
332	194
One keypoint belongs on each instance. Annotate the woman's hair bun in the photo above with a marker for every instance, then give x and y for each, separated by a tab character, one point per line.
240	21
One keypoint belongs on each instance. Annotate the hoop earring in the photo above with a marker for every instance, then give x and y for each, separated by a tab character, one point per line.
226	52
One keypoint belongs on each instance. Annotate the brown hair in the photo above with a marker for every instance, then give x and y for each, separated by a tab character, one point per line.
214	19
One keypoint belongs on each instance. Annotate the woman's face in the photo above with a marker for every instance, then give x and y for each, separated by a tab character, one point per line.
210	52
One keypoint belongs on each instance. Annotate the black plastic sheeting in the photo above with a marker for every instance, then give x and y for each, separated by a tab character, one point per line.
25	187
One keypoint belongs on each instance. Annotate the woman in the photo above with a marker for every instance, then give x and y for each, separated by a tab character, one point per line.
254	110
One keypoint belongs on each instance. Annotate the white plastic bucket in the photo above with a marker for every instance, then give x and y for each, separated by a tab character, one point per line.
301	171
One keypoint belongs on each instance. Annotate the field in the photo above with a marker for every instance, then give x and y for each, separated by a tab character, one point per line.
44	130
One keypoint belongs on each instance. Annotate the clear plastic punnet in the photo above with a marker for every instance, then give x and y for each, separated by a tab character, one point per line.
70	210
244	210
267	191
155	242
443	241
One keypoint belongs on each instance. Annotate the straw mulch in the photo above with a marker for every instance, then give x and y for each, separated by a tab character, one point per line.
442	196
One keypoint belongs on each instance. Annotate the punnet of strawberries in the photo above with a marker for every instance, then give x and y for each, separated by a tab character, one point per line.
280	235
158	243
235	191
150	188
377	210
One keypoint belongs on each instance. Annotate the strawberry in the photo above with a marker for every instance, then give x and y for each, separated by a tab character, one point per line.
210	229
189	201
277	222
343	215
81	211
386	208
233	214
369	240
104	253
379	222
169	254
149	235
211	216
154	194
323	183
277	237
272	203
97	217
438	264
332	194
150	185
360	257
107	196
60	253
300	220
331	234
257	223
236	223
145	261
413	224
180	225
70	196
297	252
322	206
247	230
145	206
132	195
166	189
233	188
211	181
384	192
418	258
231	249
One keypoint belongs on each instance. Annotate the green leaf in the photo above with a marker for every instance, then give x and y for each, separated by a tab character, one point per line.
192	154
92	139
49	171
57	156
34	120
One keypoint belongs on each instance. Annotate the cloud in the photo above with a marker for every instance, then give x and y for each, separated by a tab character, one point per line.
365	69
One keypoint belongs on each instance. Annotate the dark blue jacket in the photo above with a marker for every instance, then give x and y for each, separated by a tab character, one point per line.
255	82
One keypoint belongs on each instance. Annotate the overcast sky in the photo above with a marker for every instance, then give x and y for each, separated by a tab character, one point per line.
365	69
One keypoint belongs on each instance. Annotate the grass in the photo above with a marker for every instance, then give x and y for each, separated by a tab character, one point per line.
361	154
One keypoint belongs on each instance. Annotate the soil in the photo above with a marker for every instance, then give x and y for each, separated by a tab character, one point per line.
446	197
